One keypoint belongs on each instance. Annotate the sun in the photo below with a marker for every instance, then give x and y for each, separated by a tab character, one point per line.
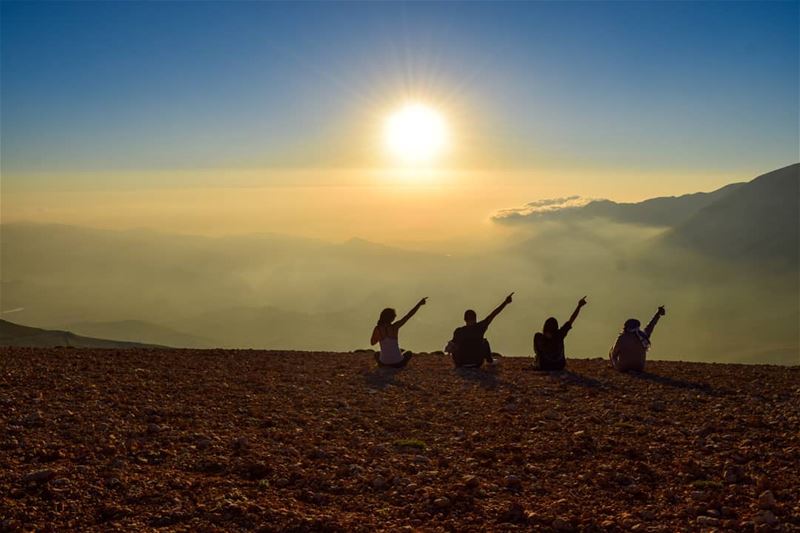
416	133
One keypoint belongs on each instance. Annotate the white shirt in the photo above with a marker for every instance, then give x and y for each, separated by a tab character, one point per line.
390	351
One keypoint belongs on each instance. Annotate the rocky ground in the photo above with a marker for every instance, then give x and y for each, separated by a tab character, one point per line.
254	440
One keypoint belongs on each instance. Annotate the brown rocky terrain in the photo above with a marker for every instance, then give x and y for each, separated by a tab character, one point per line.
207	440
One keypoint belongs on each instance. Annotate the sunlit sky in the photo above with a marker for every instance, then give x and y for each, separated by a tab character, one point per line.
223	117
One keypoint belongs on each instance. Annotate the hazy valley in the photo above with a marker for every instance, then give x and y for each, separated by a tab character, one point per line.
724	263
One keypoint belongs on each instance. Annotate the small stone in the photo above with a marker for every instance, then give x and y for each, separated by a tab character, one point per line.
738	458
515	514
153	428
470	482
113	512
705	431
513	482
33	419
379	482
256	471
561	525
766	500
441	503
707	521
39	477
767	517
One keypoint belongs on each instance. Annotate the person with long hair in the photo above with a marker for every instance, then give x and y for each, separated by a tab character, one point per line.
630	349
548	345
386	332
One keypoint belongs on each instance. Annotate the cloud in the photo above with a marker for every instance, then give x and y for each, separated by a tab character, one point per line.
541	207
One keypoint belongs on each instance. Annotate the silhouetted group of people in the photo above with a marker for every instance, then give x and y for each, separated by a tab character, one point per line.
469	347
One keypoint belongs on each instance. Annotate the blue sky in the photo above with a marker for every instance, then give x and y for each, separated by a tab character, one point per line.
141	87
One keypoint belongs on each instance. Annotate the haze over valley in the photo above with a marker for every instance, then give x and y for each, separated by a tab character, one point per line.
725	263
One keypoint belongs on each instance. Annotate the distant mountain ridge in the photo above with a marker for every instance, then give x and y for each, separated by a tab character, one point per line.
713	258
663	211
141	331
742	223
12	334
758	222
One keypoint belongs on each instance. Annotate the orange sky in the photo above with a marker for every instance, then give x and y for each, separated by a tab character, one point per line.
404	207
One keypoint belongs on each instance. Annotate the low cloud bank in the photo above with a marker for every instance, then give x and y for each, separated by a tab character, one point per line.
541	207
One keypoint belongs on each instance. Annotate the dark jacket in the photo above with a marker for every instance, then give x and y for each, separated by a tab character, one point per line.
549	352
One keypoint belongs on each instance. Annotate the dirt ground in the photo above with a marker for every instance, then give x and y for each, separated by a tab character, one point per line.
216	440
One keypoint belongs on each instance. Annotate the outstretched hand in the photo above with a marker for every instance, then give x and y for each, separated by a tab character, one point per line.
661	310
582	302
422	302
508	298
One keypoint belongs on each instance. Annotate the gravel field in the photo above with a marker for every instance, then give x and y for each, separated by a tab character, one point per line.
220	440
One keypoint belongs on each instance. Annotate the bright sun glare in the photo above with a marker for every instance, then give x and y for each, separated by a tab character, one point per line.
416	133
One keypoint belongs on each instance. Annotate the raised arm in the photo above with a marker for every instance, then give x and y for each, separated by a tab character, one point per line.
402	321
652	325
613	353
577	310
498	309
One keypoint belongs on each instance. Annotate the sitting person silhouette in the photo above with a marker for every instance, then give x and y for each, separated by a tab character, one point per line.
469	348
385	333
630	350
548	345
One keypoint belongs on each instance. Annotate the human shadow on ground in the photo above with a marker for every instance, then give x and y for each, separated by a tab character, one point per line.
572	378
381	377
672	382
485	377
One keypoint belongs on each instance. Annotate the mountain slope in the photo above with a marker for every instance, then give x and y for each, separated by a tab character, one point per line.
756	223
253	327
269	291
18	335
141	331
663	211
